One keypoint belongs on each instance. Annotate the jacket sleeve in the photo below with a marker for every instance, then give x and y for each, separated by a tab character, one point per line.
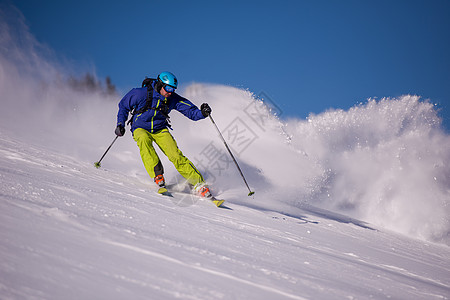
127	103
188	109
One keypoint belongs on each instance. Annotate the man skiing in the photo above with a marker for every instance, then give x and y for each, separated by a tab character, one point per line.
150	107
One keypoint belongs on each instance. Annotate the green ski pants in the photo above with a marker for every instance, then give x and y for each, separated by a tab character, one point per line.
168	146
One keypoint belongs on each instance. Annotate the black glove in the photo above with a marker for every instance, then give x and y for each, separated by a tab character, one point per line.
206	110
120	130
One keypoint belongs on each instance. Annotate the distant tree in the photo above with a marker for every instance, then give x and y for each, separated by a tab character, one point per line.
110	88
90	84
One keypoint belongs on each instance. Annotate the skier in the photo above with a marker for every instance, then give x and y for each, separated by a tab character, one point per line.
150	107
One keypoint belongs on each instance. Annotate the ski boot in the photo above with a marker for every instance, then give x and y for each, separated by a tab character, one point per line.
159	180
202	190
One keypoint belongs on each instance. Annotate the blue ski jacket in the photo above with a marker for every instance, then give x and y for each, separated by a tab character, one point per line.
153	119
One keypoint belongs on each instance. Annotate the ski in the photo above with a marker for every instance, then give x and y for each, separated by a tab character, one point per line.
162	190
217	202
165	192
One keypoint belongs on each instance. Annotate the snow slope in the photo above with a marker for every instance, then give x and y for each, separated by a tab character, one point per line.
70	231
385	161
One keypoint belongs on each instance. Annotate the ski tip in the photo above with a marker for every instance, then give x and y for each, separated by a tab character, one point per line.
251	193
218	203
97	164
162	190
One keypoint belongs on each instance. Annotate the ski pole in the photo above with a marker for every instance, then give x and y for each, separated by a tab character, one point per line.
232	156
97	163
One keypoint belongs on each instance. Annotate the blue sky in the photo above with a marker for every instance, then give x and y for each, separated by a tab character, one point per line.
307	56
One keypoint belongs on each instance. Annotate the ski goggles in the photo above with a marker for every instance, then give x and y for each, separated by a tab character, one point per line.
169	89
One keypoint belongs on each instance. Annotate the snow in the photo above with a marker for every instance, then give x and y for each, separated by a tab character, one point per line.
72	231
348	205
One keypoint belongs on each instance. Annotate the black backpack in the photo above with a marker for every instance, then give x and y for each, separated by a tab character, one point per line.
163	108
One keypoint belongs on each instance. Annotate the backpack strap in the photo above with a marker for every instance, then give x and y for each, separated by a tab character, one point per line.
148	103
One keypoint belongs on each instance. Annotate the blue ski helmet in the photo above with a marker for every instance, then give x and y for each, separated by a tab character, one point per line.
168	78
